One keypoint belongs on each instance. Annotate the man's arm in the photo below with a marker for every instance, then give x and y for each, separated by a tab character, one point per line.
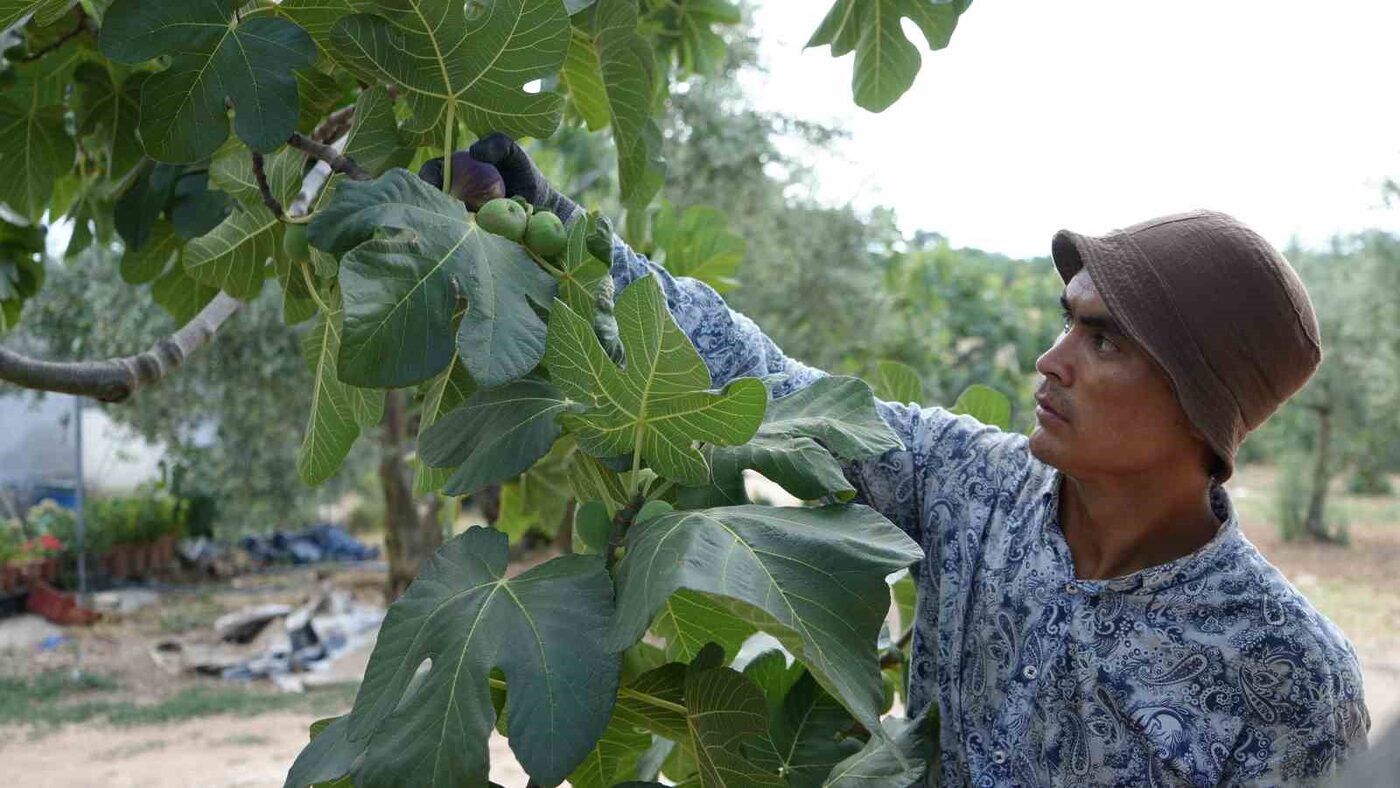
733	346
1317	720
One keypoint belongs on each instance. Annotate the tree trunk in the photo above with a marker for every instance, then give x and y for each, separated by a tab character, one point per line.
410	535
1315	526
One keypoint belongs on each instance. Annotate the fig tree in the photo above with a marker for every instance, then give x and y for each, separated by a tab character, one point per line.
503	217
544	235
473	182
294	243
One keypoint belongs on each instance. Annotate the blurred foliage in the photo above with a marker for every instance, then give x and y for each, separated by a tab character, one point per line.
1345	423
130	519
231	419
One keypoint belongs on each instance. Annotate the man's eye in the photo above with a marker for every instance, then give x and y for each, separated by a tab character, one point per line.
1103	344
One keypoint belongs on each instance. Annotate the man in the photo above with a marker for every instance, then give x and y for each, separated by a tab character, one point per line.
1089	612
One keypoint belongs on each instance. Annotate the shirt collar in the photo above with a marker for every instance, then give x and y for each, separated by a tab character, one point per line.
1205	560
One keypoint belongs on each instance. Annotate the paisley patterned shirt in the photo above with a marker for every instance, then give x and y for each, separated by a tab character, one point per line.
1210	669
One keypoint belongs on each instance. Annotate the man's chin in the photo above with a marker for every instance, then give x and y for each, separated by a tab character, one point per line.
1045	448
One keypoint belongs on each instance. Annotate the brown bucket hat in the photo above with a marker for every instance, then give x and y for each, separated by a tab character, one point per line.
1219	309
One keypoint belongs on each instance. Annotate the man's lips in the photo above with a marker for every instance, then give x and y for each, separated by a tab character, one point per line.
1044	405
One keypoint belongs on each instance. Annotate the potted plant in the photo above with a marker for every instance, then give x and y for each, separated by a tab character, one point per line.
9	556
54	527
108	520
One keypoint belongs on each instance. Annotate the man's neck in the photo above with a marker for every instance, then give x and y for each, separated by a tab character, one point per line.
1117	526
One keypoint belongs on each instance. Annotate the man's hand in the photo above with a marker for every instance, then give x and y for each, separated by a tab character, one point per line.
521	176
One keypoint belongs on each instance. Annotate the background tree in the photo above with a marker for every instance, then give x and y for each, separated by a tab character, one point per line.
232	419
1346	421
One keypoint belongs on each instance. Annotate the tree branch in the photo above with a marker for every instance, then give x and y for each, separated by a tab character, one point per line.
621	522
260	175
65	38
335	124
337	162
115	379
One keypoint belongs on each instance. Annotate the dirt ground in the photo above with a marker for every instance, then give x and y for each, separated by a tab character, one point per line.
1357	586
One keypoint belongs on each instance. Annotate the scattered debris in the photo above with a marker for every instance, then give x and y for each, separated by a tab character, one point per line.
58	606
241	626
208	556
124	600
323	542
276	642
52	642
25	632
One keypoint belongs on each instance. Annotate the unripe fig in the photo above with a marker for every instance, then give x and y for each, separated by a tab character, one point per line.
294	243
473	182
600	240
503	217
891	686
544	235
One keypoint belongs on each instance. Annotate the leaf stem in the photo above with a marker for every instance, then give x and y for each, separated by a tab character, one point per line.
447	147
633	483
621	522
554	271
661	489
305	267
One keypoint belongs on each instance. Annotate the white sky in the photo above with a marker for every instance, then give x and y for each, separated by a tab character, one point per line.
1095	114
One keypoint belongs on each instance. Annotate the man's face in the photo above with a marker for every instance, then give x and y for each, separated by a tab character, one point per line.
1105	407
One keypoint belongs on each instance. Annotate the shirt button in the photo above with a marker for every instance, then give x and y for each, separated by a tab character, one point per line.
1030	672
999	757
1071	588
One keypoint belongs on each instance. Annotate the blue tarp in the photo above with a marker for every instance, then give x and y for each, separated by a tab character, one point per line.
322	542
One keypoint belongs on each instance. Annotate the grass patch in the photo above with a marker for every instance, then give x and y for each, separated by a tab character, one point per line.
244	740
130	750
55	698
183	615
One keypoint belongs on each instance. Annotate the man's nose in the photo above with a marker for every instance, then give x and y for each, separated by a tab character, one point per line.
1054	363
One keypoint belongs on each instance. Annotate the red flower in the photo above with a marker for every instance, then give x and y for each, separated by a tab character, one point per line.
51	542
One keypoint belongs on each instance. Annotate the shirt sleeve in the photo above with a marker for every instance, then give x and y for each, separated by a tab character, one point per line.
733	346
1312	732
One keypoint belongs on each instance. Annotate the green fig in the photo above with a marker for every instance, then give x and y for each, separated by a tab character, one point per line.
503	217
545	236
294	243
891	687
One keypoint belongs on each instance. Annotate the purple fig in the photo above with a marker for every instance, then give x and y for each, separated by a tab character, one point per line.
473	182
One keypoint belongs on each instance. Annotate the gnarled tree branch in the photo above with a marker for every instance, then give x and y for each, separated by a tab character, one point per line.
338	162
115	379
335	125
260	175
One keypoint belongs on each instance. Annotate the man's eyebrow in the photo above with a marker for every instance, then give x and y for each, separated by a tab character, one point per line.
1100	322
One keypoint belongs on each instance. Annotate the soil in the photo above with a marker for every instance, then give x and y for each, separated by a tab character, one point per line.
211	751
